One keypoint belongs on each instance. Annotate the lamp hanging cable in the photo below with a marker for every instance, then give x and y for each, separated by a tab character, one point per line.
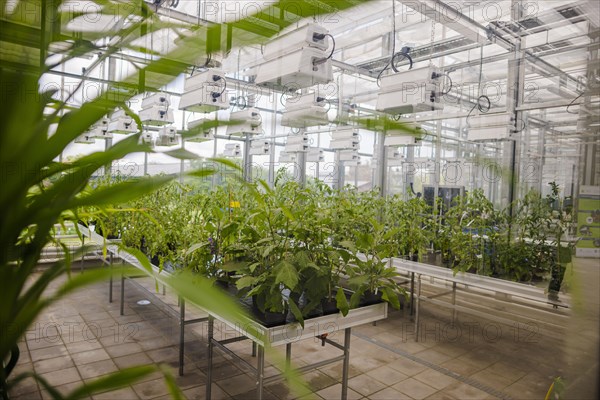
324	59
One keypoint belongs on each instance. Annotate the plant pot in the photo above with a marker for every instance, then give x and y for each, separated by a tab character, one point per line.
558	273
329	307
268	318
369	298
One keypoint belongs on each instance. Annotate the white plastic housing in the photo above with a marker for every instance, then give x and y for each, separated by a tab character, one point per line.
232	150
210	77
400	140
315	154
167	136
285	157
296	70
490	127
85	139
338	144
411	91
146	138
296	143
157	115
206	98
297	39
303	118
260	147
297	102
349	155
122	123
100	130
203	136
250	122
156	99
345	133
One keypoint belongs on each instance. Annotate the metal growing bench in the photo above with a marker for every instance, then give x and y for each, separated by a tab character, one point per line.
505	288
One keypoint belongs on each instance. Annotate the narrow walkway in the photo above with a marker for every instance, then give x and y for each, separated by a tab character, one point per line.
84	337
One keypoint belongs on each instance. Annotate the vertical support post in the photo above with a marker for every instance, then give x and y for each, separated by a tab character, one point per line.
110	283
453	302
211	323
253	349
346	365
260	372
417	308
181	333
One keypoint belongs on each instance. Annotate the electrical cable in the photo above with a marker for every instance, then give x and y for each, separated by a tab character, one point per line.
573	102
482	109
322	60
403	52
451	84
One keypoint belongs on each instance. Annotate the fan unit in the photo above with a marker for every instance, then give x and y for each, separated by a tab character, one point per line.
413	91
490	127
167	136
249	120
205	92
203	136
100	130
120	122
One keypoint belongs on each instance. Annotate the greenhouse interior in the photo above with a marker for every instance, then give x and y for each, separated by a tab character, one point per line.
300	199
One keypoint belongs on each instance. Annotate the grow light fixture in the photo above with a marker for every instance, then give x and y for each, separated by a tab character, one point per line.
146	138
315	154
249	120
203	136
304	111
122	123
345	138
297	59
232	150
100	130
260	147
490	127
413	91
349	155
205	92
167	136
296	143
85	139
155	110
285	157
393	156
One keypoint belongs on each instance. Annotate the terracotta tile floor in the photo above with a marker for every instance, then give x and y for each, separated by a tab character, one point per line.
84	337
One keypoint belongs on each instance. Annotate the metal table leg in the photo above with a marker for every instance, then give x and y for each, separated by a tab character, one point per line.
288	356
346	365
122	292
412	293
181	334
453	302
253	349
82	254
210	357
110	284
417	308
260	372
